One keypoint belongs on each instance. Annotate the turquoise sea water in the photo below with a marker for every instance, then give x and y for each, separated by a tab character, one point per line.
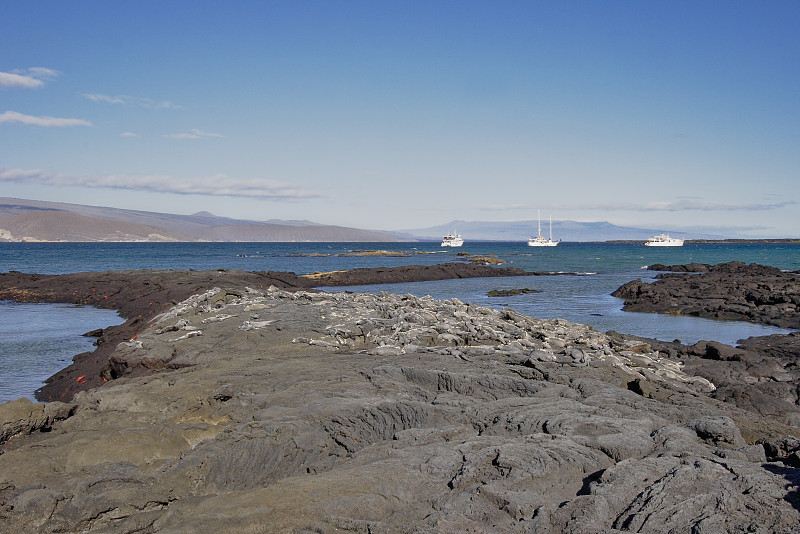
578	257
585	298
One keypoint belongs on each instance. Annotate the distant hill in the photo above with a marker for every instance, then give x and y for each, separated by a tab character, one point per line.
60	226
32	220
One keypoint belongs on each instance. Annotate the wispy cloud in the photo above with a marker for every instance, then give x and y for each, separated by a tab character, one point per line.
693	204
680	204
217	185
128	134
509	207
27	78
49	122
194	134
136	101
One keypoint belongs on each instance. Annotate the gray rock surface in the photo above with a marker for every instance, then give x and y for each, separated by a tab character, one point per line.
22	416
275	411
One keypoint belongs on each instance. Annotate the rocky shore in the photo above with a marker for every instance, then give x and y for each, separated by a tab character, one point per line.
140	295
253	405
732	291
761	373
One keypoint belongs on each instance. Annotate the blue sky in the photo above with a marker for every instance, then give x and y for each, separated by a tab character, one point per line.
669	115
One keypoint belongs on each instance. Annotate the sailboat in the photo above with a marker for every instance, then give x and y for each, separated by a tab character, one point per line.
539	240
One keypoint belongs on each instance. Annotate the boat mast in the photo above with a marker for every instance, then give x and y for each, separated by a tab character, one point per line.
539	218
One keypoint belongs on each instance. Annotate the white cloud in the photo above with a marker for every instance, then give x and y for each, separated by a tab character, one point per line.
217	185
125	100
42	72
8	79
194	134
50	122
28	78
128	134
94	97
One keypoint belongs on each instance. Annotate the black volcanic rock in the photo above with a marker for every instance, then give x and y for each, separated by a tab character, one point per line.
511	292
728	291
761	374
408	273
686	268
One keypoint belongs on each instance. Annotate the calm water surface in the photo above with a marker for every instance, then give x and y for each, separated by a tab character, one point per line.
35	333
51	258
37	340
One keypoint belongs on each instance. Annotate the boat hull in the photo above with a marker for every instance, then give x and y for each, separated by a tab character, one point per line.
663	240
679	244
545	243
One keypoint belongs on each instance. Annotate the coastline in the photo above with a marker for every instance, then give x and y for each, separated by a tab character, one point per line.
249	401
282	410
138	296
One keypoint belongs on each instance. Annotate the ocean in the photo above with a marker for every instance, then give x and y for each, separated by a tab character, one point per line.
36	340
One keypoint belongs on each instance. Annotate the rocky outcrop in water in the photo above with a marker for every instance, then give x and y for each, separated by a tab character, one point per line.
407	273
732	291
511	292
279	411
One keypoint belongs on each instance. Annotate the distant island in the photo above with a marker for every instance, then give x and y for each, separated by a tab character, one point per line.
38	221
746	241
722	241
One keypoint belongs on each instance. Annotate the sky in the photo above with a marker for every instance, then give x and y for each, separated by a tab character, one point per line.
674	115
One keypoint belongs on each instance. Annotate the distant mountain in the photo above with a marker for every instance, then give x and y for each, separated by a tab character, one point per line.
563	230
60	226
32	220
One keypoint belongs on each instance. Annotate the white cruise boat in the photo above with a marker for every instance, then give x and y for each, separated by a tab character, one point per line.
663	240
539	240
452	240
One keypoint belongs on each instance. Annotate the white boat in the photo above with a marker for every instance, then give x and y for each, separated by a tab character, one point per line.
539	240
452	240
663	240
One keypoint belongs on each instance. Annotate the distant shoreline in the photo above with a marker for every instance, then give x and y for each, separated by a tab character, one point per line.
785	241
732	241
